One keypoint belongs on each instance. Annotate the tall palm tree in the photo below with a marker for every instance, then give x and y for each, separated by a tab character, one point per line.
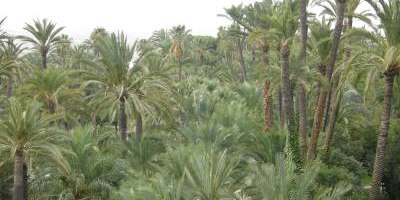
389	15
123	80
44	35
114	72
238	31
24	130
284	18
319	111
179	35
302	102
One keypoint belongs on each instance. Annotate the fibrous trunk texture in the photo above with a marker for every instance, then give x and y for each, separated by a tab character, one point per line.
18	189
267	106
302	104
382	139
122	121
287	101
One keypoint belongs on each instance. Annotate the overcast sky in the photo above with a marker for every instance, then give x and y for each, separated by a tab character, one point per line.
137	18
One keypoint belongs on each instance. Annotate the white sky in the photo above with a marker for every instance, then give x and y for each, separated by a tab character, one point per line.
137	18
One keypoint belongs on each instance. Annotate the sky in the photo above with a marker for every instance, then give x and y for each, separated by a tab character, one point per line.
137	18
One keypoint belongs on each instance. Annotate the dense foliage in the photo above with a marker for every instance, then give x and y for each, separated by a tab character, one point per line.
282	104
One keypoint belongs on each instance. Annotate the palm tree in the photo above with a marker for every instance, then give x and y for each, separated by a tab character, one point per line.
161	39
9	61
285	21
44	37
124	80
319	111
63	50
51	87
238	33
179	35
3	34
208	175
95	36
388	13
80	171
281	180
114	73
24	130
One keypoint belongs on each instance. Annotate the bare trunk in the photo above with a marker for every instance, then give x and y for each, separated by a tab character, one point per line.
331	123
267	93
139	127
337	32
317	124
281	113
25	175
44	60
288	101
18	189
302	101
267	106
122	120
382	139
303	30
302	104
180	70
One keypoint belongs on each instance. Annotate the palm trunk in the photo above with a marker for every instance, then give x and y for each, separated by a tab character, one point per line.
253	53
341	5
382	139
346	58
139	127
122	120
302	120
267	106
330	117
302	92
317	124
331	123
18	190
280	105
319	113
180	70
267	93
51	106
44	60
288	101
303	30
241	61
25	176
9	87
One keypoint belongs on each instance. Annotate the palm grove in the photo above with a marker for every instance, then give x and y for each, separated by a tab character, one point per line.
283	104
